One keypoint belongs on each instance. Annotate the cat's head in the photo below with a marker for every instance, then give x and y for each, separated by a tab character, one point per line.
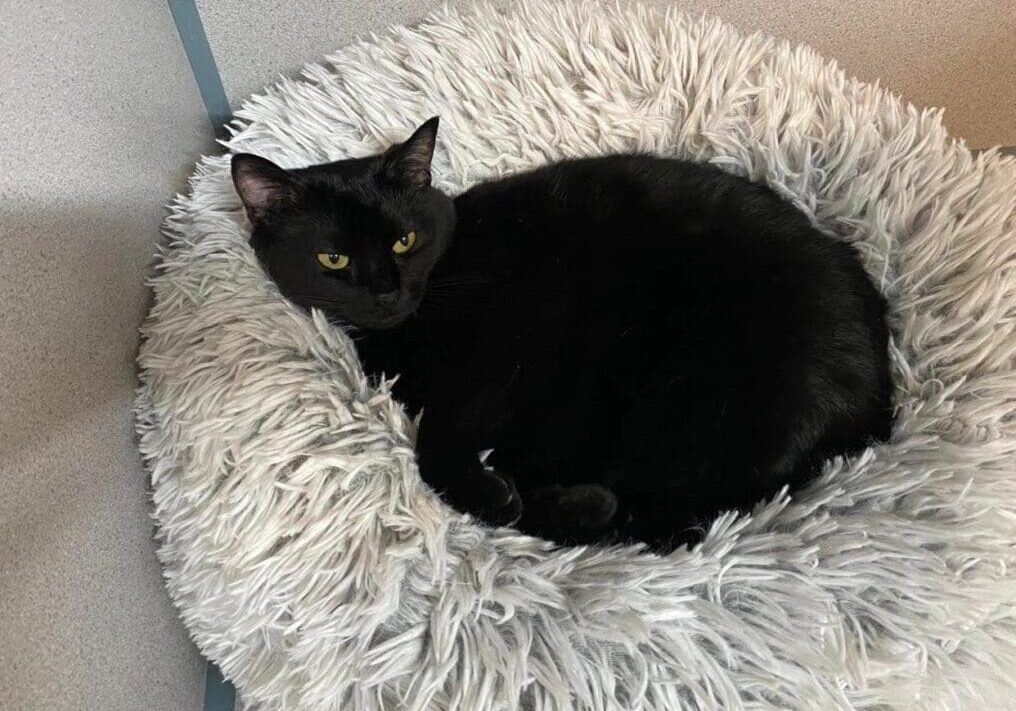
356	238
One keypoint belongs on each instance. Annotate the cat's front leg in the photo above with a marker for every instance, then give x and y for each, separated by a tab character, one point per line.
450	464
488	495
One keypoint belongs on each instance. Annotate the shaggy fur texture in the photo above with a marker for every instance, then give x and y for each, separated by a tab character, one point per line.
308	559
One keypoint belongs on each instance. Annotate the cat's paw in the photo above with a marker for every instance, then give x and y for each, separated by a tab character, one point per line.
491	497
579	513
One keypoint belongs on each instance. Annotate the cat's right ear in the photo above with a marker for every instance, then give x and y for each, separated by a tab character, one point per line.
408	164
261	185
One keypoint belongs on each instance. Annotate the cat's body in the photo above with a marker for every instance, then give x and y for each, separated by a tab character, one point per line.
642	342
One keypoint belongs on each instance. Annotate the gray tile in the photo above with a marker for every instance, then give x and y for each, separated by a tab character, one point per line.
255	41
101	125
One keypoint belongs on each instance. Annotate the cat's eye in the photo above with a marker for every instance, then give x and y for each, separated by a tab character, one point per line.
330	260
405	244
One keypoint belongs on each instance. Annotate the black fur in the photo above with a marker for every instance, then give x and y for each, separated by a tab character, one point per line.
643	342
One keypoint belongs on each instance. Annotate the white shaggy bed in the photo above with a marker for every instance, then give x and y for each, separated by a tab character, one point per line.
307	558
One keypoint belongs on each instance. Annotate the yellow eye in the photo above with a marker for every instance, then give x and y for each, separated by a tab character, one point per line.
333	261
405	244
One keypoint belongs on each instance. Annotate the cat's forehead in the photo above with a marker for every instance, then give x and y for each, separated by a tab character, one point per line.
357	199
335	218
370	212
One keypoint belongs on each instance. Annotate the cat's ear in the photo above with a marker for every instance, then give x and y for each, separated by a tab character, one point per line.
261	185
408	164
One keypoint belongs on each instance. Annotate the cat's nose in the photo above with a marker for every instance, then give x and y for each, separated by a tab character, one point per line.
388	298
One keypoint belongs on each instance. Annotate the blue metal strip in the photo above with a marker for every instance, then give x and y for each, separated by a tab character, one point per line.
199	54
219	693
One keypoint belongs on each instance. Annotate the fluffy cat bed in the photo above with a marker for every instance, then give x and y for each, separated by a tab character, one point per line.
309	560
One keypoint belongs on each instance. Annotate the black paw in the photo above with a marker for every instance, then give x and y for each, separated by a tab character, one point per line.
577	513
491	497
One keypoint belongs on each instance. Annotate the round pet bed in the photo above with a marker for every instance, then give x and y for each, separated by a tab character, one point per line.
308	559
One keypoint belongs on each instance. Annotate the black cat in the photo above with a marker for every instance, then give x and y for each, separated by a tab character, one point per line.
642	342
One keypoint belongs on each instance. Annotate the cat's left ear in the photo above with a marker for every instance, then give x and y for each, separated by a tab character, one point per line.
408	164
261	185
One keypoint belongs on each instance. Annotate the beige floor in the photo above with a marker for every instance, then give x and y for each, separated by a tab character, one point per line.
100	124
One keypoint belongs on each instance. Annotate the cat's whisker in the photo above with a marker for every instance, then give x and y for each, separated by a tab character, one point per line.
459	280
457	290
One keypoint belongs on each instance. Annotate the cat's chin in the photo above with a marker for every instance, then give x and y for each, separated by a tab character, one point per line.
384	322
